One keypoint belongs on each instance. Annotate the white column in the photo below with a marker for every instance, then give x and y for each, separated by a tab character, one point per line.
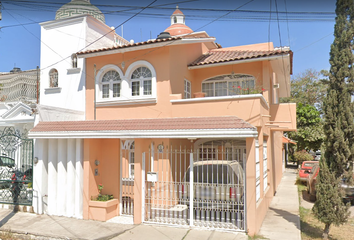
52	176
79	181
61	178
70	196
40	175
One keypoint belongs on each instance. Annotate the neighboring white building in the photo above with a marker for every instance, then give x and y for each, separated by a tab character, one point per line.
78	26
18	98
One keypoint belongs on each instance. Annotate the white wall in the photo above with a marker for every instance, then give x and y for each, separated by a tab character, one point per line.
59	40
58	177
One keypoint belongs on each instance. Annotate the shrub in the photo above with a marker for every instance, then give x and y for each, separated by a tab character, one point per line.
302	156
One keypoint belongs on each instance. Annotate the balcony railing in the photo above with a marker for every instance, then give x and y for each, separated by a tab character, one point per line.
21	87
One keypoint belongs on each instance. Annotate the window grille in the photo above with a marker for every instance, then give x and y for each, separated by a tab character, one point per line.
142	83
229	85
265	165
110	84
258	173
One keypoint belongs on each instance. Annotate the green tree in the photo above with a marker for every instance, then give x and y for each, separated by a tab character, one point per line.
309	134
309	87
329	207
339	122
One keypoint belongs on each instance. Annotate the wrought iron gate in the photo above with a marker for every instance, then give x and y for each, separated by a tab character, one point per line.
127	180
209	194
16	168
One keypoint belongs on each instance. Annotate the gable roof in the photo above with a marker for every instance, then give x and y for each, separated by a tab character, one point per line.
220	56
192	127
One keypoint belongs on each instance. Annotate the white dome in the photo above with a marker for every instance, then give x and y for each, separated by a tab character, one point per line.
79	7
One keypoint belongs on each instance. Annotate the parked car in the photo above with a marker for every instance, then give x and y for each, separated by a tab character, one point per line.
7	162
217	184
305	170
311	181
349	192
318	155
7	165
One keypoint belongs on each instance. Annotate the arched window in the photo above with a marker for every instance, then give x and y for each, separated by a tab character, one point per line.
111	84
141	82
137	85
74	60
53	78
228	85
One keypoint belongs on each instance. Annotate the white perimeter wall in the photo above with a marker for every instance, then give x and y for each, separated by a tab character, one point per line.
58	177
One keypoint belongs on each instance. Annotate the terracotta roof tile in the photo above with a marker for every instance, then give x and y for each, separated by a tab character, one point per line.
129	45
157	124
220	56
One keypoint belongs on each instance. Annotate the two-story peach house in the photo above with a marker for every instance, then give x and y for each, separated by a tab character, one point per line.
155	108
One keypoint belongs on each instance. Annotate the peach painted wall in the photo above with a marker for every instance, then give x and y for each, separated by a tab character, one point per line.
170	64
251	186
107	152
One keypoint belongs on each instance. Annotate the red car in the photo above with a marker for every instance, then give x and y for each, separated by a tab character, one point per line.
305	170
311	181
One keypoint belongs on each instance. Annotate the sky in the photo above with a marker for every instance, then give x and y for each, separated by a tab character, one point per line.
306	26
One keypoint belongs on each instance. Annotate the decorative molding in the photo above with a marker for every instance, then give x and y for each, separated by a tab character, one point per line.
52	90
74	70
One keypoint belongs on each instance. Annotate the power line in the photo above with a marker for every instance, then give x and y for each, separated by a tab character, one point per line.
103	35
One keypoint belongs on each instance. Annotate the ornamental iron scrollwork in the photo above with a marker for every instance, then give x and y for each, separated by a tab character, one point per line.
16	167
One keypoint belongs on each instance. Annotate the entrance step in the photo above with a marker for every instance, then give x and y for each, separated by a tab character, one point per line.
122	220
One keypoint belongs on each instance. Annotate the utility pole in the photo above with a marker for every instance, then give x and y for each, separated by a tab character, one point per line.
0	11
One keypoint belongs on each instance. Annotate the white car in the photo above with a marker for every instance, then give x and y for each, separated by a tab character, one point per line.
218	184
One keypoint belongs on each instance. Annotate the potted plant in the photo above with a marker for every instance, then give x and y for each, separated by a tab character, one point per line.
103	206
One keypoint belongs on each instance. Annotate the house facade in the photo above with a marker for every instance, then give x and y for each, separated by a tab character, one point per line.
178	129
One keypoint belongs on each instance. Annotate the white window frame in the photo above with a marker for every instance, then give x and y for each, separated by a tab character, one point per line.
99	84
187	89
228	85
126	84
265	165
128	76
258	172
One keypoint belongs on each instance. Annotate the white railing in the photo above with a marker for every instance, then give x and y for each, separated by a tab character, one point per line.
19	88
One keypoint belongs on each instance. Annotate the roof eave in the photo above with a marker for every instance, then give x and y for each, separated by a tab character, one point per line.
137	47
194	133
238	61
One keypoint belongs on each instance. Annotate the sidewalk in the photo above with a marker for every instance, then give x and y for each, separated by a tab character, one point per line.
282	220
51	227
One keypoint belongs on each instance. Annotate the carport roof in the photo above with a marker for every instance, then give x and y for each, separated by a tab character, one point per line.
192	127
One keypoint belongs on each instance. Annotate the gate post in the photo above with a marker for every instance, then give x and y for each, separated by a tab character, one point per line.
191	188
143	188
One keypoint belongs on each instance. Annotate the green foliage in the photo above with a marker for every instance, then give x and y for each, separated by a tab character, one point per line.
329	207
309	134
104	197
338	156
308	88
301	156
